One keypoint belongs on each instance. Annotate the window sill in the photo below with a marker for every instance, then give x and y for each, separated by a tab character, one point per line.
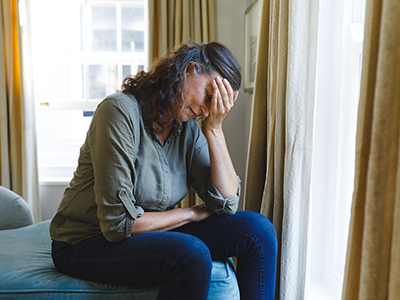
324	291
54	181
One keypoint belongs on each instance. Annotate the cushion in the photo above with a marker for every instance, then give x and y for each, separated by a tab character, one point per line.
27	272
14	211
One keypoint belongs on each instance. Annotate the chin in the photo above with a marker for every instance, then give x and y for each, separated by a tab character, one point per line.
184	119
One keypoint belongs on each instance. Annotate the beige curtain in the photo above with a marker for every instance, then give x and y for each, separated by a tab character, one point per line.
173	22
280	151
18	165
373	255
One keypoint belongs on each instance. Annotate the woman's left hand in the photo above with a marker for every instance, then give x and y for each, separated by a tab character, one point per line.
222	101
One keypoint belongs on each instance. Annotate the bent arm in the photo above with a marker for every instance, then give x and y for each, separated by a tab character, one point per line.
168	220
223	174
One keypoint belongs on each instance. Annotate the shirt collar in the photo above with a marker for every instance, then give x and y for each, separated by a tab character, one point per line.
145	107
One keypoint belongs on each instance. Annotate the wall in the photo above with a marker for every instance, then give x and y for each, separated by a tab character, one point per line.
229	31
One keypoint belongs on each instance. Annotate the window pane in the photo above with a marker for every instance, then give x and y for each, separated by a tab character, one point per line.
102	80
126	70
65	82
60	134
57	49
132	28
104	28
131	69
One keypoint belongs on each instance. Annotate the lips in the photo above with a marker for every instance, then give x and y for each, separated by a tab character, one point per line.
192	113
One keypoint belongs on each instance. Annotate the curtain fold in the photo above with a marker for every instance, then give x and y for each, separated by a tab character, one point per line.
173	22
18	165
373	255
281	138
178	21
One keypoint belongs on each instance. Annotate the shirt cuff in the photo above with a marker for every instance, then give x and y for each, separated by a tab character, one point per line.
223	206
134	211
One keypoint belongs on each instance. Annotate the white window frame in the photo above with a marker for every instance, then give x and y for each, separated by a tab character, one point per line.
98	58
340	46
58	174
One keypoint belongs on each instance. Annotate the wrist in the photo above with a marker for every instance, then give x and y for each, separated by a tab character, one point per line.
189	213
214	132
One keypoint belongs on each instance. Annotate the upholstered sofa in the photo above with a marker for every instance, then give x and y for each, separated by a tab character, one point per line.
27	270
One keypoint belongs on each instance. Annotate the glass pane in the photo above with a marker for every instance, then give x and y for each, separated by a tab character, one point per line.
102	80
67	84
132	28
57	57
104	28
126	70
63	37
59	144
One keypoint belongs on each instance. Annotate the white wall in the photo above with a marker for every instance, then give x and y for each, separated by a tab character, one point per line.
230	32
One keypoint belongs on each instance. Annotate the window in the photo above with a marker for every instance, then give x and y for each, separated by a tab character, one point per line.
338	86
81	50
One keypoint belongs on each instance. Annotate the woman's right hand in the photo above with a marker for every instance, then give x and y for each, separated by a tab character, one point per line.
200	212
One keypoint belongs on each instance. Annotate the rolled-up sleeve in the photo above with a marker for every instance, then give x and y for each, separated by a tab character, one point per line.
202	184
113	153
220	205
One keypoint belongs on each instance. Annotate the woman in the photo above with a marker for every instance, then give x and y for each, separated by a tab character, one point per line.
142	152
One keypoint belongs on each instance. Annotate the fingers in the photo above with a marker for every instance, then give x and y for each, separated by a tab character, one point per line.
222	101
224	95
201	212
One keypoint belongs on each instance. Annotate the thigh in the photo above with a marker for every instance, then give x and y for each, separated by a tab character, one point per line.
235	235
145	260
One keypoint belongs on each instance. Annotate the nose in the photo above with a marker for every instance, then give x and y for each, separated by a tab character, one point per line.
205	111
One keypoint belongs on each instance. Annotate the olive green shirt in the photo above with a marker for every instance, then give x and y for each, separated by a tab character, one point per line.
123	170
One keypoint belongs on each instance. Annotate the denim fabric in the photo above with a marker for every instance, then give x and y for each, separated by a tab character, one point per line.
180	261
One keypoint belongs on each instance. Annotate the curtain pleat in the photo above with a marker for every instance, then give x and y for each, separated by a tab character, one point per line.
373	255
178	21
18	165
281	138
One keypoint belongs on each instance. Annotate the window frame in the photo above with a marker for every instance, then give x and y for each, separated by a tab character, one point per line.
98	58
61	172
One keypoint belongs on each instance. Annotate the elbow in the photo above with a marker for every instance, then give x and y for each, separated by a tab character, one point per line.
228	209
112	237
115	234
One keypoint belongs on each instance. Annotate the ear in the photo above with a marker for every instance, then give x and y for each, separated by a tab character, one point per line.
190	67
235	95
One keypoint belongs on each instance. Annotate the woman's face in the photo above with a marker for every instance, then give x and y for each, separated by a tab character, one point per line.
197	96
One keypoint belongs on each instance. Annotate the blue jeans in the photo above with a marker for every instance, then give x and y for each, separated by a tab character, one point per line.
180	261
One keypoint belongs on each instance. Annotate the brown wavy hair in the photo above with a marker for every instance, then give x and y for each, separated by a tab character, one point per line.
166	79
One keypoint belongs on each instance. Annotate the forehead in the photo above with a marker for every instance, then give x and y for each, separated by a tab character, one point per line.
201	79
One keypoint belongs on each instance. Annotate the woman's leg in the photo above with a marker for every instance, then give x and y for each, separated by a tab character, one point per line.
252	239
179	263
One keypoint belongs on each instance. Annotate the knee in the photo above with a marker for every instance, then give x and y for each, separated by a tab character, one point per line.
195	257
260	227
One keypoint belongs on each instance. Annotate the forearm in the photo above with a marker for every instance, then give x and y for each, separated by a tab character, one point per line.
171	219
161	221
223	174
